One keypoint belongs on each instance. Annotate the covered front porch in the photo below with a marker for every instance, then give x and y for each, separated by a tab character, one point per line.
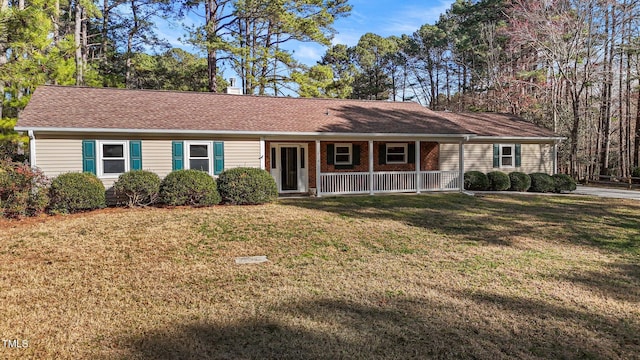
324	167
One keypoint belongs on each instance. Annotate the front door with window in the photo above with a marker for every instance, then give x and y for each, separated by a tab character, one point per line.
289	167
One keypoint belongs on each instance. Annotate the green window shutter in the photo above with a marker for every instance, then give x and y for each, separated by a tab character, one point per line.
518	155
330	154
496	155
356	154
218	157
411	156
177	155
89	156
382	154
135	154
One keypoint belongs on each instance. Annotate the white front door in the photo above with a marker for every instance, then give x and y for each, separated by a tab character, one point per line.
290	169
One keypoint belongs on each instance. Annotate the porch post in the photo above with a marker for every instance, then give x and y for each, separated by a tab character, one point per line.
418	161
461	164
263	158
318	162
371	167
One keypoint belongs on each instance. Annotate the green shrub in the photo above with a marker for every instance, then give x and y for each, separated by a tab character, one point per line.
138	187
247	186
519	181
542	183
563	182
476	181
73	192
635	172
498	181
23	190
189	187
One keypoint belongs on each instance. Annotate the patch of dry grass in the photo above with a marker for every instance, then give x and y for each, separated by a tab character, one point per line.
446	276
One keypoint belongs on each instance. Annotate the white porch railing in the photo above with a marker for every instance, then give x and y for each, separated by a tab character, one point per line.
344	183
439	180
394	181
388	182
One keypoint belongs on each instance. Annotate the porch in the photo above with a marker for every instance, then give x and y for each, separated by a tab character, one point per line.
340	167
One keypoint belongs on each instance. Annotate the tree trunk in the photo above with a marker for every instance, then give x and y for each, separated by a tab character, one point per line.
605	108
4	5
636	139
56	22
78	45
211	9
130	36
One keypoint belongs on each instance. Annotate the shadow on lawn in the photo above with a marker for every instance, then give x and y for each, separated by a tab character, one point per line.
397	329
496	219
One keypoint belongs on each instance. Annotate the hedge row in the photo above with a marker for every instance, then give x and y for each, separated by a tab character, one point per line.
25	191
518	181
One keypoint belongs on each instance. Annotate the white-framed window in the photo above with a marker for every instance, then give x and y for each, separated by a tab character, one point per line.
199	156
507	156
396	153
113	158
343	154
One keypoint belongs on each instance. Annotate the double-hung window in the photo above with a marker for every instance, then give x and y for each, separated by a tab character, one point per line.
507	156
199	156
113	158
396	153
343	154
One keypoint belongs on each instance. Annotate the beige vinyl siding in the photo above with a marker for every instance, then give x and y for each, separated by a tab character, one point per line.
479	157
157	156
241	154
58	156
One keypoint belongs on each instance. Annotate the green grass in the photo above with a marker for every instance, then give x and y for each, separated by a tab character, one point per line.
430	276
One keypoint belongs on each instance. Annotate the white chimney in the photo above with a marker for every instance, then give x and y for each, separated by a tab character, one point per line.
232	89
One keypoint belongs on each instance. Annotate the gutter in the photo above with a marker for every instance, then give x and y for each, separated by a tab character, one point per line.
555	139
243	133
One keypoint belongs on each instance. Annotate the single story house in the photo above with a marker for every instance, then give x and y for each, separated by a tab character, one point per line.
316	146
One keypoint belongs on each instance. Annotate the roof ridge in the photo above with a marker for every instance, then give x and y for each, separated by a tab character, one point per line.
107	88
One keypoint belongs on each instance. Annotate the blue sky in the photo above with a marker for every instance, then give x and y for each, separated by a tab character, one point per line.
382	17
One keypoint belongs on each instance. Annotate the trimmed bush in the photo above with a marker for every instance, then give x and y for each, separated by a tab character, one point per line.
74	192
138	187
542	183
498	181
563	182
519	181
247	186
476	180
189	187
23	190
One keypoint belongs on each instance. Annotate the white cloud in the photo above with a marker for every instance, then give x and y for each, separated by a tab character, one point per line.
308	54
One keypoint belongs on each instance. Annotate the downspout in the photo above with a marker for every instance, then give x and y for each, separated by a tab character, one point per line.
555	157
32	149
263	158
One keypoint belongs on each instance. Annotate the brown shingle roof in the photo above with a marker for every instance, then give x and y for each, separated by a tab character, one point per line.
493	124
107	108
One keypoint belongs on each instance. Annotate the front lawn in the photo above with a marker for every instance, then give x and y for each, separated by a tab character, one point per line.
444	276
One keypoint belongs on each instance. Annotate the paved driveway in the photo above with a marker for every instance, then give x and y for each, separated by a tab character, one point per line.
608	192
